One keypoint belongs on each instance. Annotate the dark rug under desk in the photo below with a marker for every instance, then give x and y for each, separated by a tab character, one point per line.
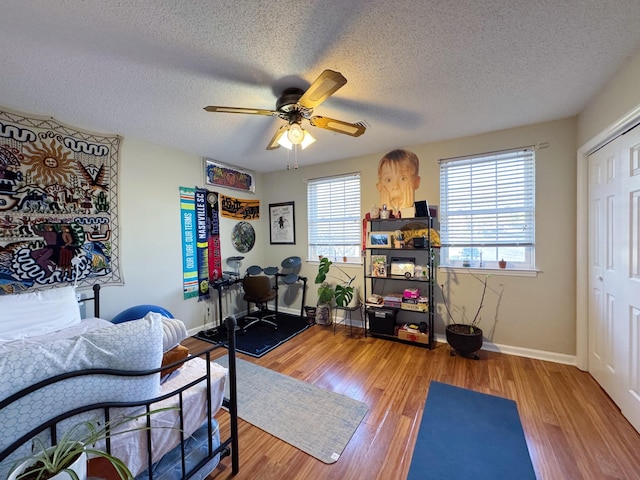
259	339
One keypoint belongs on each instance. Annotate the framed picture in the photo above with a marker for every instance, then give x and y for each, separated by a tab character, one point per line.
226	176
282	223
378	265
379	239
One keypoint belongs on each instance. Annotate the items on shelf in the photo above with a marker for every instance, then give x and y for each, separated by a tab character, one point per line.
379	265
393	300
411	293
382	321
403	266
413	335
394	256
420	304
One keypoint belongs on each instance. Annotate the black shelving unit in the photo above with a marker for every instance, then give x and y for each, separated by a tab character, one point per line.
382	285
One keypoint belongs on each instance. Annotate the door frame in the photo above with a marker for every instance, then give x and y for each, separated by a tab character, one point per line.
614	130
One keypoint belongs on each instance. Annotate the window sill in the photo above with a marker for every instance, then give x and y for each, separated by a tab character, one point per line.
507	272
338	263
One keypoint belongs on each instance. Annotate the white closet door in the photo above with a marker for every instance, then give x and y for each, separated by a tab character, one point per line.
614	271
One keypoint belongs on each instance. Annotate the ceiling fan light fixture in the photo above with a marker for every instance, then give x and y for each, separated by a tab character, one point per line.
307	140
283	141
295	134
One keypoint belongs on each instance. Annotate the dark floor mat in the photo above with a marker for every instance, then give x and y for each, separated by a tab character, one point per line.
260	338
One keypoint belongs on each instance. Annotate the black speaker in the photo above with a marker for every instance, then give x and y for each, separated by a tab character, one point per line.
419	242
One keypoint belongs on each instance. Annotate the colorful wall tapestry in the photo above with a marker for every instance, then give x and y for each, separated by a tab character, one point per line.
239	209
58	205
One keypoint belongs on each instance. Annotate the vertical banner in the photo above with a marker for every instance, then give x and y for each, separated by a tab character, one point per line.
202	243
201	258
188	223
213	223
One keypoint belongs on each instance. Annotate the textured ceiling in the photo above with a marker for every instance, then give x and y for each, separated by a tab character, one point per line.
418	70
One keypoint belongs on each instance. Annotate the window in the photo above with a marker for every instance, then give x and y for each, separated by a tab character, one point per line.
333	218
488	209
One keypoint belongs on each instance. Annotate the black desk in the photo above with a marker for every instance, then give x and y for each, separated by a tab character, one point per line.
223	283
220	285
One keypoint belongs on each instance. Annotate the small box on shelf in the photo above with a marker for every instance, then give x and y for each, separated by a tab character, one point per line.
414	307
393	300
411	293
411	335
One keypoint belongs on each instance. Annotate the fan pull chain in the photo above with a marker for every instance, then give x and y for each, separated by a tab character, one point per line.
295	158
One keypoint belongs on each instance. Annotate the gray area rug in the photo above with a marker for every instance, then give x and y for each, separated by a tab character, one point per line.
312	419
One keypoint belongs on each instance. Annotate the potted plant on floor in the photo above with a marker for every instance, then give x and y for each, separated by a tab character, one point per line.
342	292
67	459
465	338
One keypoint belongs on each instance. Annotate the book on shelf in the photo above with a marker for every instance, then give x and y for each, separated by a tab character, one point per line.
415	307
393	297
378	265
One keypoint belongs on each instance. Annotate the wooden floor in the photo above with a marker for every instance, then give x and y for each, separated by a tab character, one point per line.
573	430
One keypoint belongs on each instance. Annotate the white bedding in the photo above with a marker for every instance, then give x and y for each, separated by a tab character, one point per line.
131	447
86	325
38	313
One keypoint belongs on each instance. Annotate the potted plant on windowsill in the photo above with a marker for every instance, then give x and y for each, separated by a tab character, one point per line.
342	292
465	338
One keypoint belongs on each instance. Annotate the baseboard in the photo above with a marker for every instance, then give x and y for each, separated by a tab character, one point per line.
523	352
488	346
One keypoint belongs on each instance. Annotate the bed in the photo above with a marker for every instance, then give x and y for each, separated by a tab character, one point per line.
56	370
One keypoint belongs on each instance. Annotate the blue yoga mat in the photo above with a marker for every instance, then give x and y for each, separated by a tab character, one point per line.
466	434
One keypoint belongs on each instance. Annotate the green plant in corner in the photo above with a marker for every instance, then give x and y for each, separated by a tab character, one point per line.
80	439
343	292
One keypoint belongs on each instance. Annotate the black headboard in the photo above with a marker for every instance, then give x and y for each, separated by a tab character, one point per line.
96	300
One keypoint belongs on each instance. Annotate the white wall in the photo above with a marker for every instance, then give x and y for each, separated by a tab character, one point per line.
617	98
536	313
533	313
615	109
150	233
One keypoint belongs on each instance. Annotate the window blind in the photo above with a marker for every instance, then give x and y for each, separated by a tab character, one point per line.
333	213
488	199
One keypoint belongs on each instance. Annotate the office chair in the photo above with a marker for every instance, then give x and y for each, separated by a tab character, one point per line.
258	290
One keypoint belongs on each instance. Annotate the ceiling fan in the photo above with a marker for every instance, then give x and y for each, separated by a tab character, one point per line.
294	105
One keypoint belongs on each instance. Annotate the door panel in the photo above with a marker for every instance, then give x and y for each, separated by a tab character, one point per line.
601	260
630	405
614	271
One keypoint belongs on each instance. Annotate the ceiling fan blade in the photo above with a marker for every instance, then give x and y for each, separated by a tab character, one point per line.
251	111
353	129
324	86
273	144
